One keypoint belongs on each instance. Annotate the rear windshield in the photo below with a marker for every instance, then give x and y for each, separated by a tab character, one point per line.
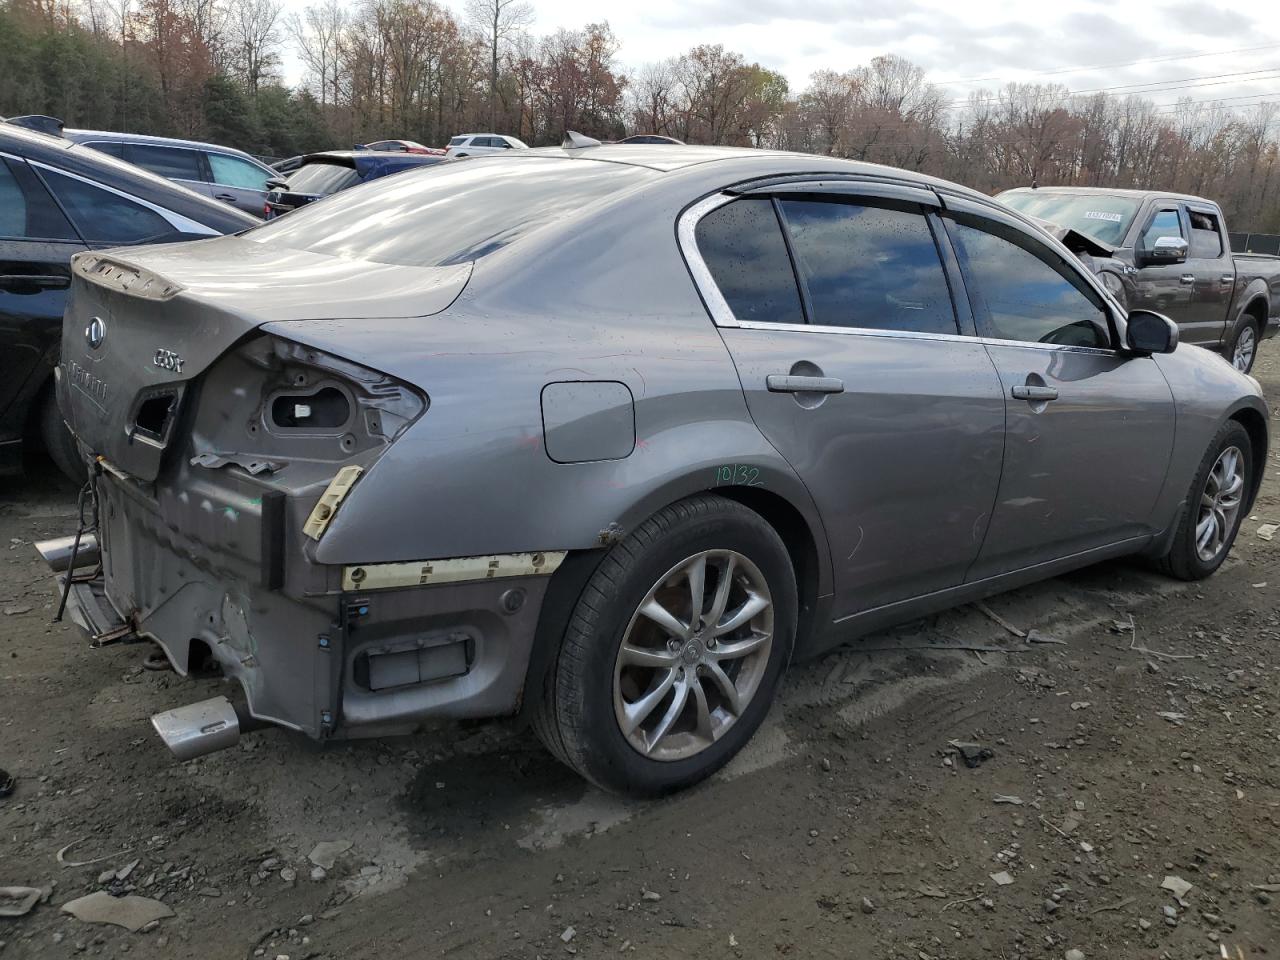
322	177
452	212
1099	216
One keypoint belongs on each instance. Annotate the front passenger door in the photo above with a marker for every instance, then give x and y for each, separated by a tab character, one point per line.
1088	430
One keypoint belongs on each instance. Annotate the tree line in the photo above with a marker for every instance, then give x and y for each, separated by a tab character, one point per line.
211	69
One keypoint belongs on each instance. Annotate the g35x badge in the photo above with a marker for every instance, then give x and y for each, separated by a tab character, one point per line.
167	360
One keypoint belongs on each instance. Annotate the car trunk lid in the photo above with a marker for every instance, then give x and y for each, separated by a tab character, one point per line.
143	324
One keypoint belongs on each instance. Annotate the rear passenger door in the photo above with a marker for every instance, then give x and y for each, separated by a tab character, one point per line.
238	182
1089	429
1213	275
834	303
179	164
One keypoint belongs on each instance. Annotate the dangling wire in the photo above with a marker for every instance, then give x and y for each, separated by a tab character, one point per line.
88	496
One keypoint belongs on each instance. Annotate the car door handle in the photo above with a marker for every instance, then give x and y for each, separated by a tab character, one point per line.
27	281
787	383
228	197
1187	278
1228	278
1026	391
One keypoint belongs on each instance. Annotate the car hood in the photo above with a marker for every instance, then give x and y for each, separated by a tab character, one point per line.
1075	241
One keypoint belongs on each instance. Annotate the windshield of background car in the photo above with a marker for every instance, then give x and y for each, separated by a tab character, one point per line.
1101	217
450	213
322	178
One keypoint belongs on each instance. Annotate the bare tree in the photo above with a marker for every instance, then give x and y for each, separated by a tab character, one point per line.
318	34
499	20
255	36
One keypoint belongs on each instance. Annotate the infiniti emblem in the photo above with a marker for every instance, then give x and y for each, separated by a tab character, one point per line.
95	332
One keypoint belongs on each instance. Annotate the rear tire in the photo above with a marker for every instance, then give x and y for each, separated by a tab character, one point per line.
59	443
1243	349
1215	506
707	680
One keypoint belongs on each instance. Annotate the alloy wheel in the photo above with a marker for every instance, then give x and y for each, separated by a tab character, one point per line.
693	656
1219	504
1246	344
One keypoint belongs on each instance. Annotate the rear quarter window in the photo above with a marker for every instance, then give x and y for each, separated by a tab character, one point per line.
743	247
450	213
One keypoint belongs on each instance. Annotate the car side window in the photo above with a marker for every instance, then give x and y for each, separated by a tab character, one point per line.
173	163
108	147
105	217
874	267
1022	291
743	248
27	212
1206	238
235	172
1166	223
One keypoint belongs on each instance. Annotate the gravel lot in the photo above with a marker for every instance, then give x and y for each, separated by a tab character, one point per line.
847	829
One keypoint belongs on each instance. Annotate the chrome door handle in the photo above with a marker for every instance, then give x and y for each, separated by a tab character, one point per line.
1028	392
1228	278
786	383
1187	278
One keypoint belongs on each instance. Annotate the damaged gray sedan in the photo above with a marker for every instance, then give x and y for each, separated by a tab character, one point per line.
609	436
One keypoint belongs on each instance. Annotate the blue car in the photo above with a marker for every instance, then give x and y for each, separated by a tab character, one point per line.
322	174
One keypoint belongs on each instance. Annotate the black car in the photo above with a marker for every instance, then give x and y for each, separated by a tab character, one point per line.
322	174
58	199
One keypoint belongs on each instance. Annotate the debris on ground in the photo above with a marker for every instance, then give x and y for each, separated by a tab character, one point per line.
1178	887
18	901
973	754
569	934
990	614
6	783
61	856
1002	879
1266	532
326	853
1172	716
132	913
1035	636
1002	798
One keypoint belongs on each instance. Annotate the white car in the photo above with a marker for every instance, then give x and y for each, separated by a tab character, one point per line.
478	144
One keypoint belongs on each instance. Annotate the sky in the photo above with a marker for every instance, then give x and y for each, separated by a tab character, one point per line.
1082	44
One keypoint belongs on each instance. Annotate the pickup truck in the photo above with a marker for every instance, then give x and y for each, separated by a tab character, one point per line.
1169	253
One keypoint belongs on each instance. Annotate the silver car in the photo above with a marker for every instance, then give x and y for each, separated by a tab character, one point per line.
610	436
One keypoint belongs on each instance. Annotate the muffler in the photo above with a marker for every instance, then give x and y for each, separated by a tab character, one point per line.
57	553
205	727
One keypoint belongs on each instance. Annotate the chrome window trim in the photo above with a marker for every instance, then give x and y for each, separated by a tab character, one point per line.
176	220
722	315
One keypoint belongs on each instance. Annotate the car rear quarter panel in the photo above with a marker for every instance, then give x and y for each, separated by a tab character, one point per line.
608	300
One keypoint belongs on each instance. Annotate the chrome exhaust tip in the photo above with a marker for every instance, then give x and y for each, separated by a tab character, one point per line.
57	553
198	728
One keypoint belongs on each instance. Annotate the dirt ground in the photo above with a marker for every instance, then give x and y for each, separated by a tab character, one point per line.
846	830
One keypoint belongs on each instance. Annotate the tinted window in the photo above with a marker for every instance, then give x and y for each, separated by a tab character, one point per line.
457	141
26	209
173	163
322	178
742	245
450	213
1017	295
235	172
874	267
112	149
1165	223
1206	240
105	217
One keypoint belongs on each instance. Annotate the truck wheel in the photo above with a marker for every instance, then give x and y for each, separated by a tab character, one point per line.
1215	506
1244	346
674	651
59	443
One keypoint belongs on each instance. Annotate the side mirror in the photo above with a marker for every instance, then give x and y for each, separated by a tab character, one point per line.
276	183
1168	250
1148	332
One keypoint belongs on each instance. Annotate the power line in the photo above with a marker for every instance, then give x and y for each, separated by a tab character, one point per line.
1105	66
1183	83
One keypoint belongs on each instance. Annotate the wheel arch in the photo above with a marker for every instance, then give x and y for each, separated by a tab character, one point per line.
1255	424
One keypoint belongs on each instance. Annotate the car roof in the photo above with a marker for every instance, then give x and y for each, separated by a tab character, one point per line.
364	160
110	136
105	169
1105	192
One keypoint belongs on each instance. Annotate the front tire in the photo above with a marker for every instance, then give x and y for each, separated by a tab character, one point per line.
1243	349
1215	506
674	651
